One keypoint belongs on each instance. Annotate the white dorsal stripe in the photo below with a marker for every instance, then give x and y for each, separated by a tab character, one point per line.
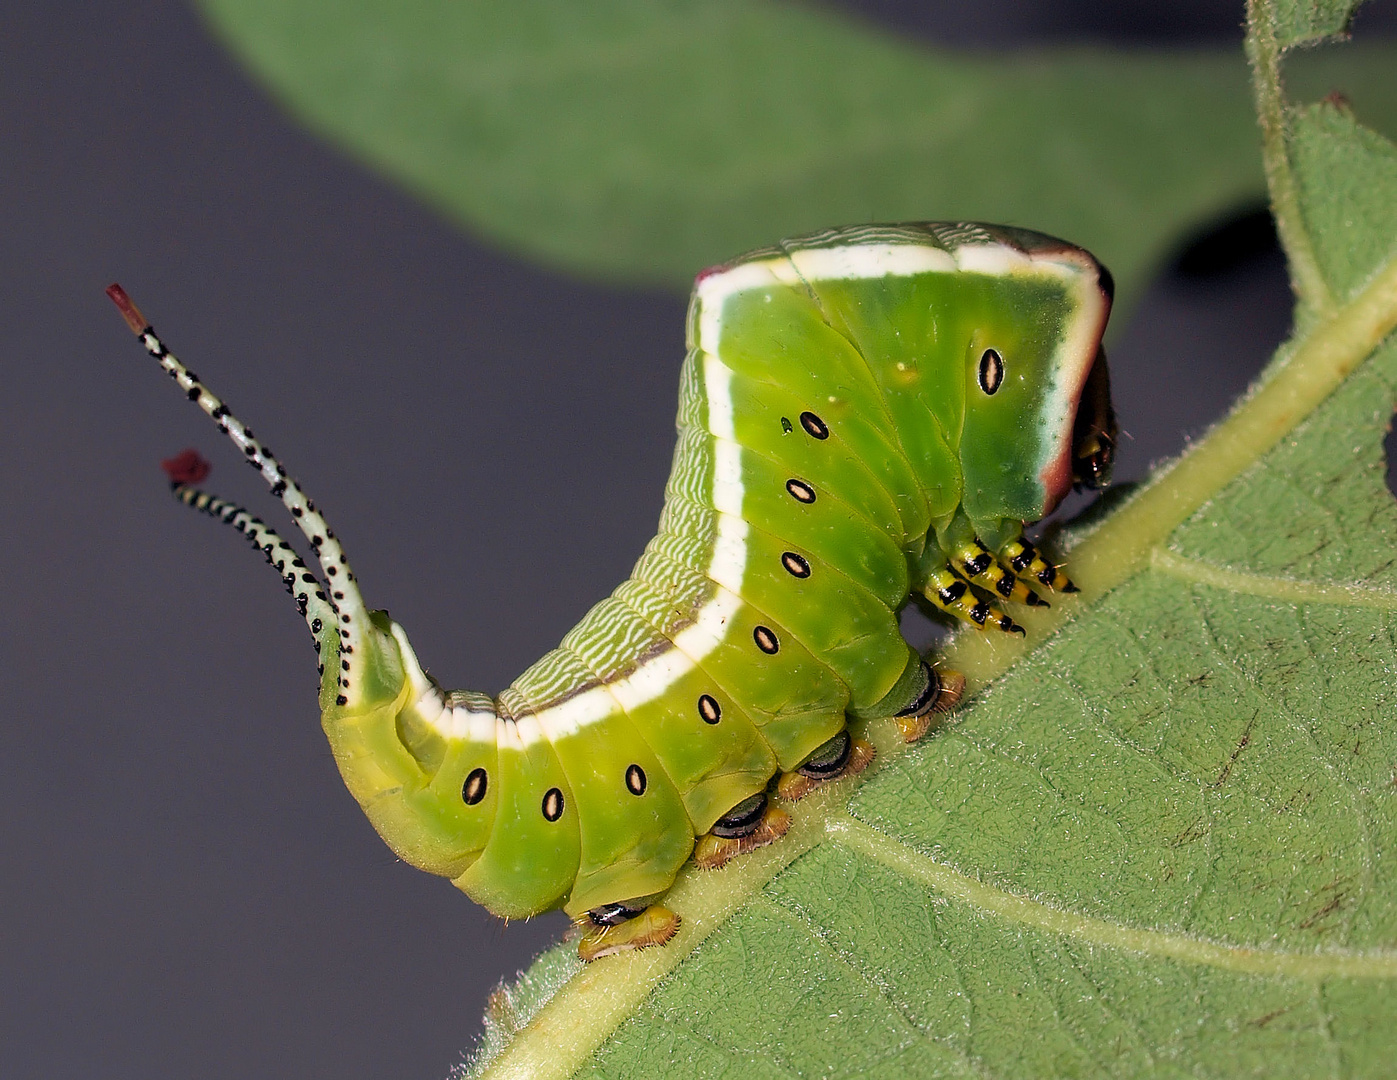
454	722
507	735
871	261
707	631
571	716
712	292
729	552
864	260
1082	329
727	563
431	707
728	560
727	476
654	677
867	260
996	260
427	697
651	679
481	724
530	730
462	722
717	386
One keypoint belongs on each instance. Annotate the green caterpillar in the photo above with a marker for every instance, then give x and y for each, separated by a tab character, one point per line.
866	415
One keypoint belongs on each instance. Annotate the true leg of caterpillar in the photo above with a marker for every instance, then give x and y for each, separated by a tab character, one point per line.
1020	555
622	927
943	690
974	560
953	595
751	824
304	586
351	616
842	756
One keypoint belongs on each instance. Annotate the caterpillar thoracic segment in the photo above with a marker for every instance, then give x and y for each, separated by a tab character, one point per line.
866	415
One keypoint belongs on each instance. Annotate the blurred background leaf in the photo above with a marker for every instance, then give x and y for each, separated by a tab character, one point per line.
640	141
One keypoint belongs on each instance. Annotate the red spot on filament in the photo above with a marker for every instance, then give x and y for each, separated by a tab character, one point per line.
129	311
186	467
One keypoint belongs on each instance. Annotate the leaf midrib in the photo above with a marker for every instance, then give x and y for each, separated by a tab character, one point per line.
909	863
1285	589
564	1034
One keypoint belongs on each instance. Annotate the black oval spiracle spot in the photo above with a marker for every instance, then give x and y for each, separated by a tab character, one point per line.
635	780
800	491
473	790
814	426
795	564
767	641
991	375
552	804
709	710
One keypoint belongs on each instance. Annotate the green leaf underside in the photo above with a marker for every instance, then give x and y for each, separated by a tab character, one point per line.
641	141
1346	175
1162	843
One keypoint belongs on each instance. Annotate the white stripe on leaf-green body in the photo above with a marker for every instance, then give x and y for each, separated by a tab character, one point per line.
834	451
623	691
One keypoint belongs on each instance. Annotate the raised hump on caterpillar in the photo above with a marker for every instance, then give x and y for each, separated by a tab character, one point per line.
868	417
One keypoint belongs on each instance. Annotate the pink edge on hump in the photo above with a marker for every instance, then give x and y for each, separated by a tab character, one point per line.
710	271
129	311
1057	480
1056	474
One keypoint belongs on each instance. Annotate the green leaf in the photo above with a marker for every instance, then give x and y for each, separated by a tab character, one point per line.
1346	175
1303	22
1162	840
641	141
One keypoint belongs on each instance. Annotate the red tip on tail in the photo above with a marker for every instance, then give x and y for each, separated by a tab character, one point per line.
129	311
186	467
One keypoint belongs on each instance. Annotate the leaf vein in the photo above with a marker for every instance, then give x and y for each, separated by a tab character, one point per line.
1312	965
1288	590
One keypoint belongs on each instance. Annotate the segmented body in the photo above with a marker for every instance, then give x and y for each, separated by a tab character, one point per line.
860	410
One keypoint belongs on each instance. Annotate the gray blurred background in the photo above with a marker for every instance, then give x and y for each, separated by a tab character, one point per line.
186	889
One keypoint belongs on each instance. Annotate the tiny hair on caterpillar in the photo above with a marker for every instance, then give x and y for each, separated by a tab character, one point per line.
868	417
